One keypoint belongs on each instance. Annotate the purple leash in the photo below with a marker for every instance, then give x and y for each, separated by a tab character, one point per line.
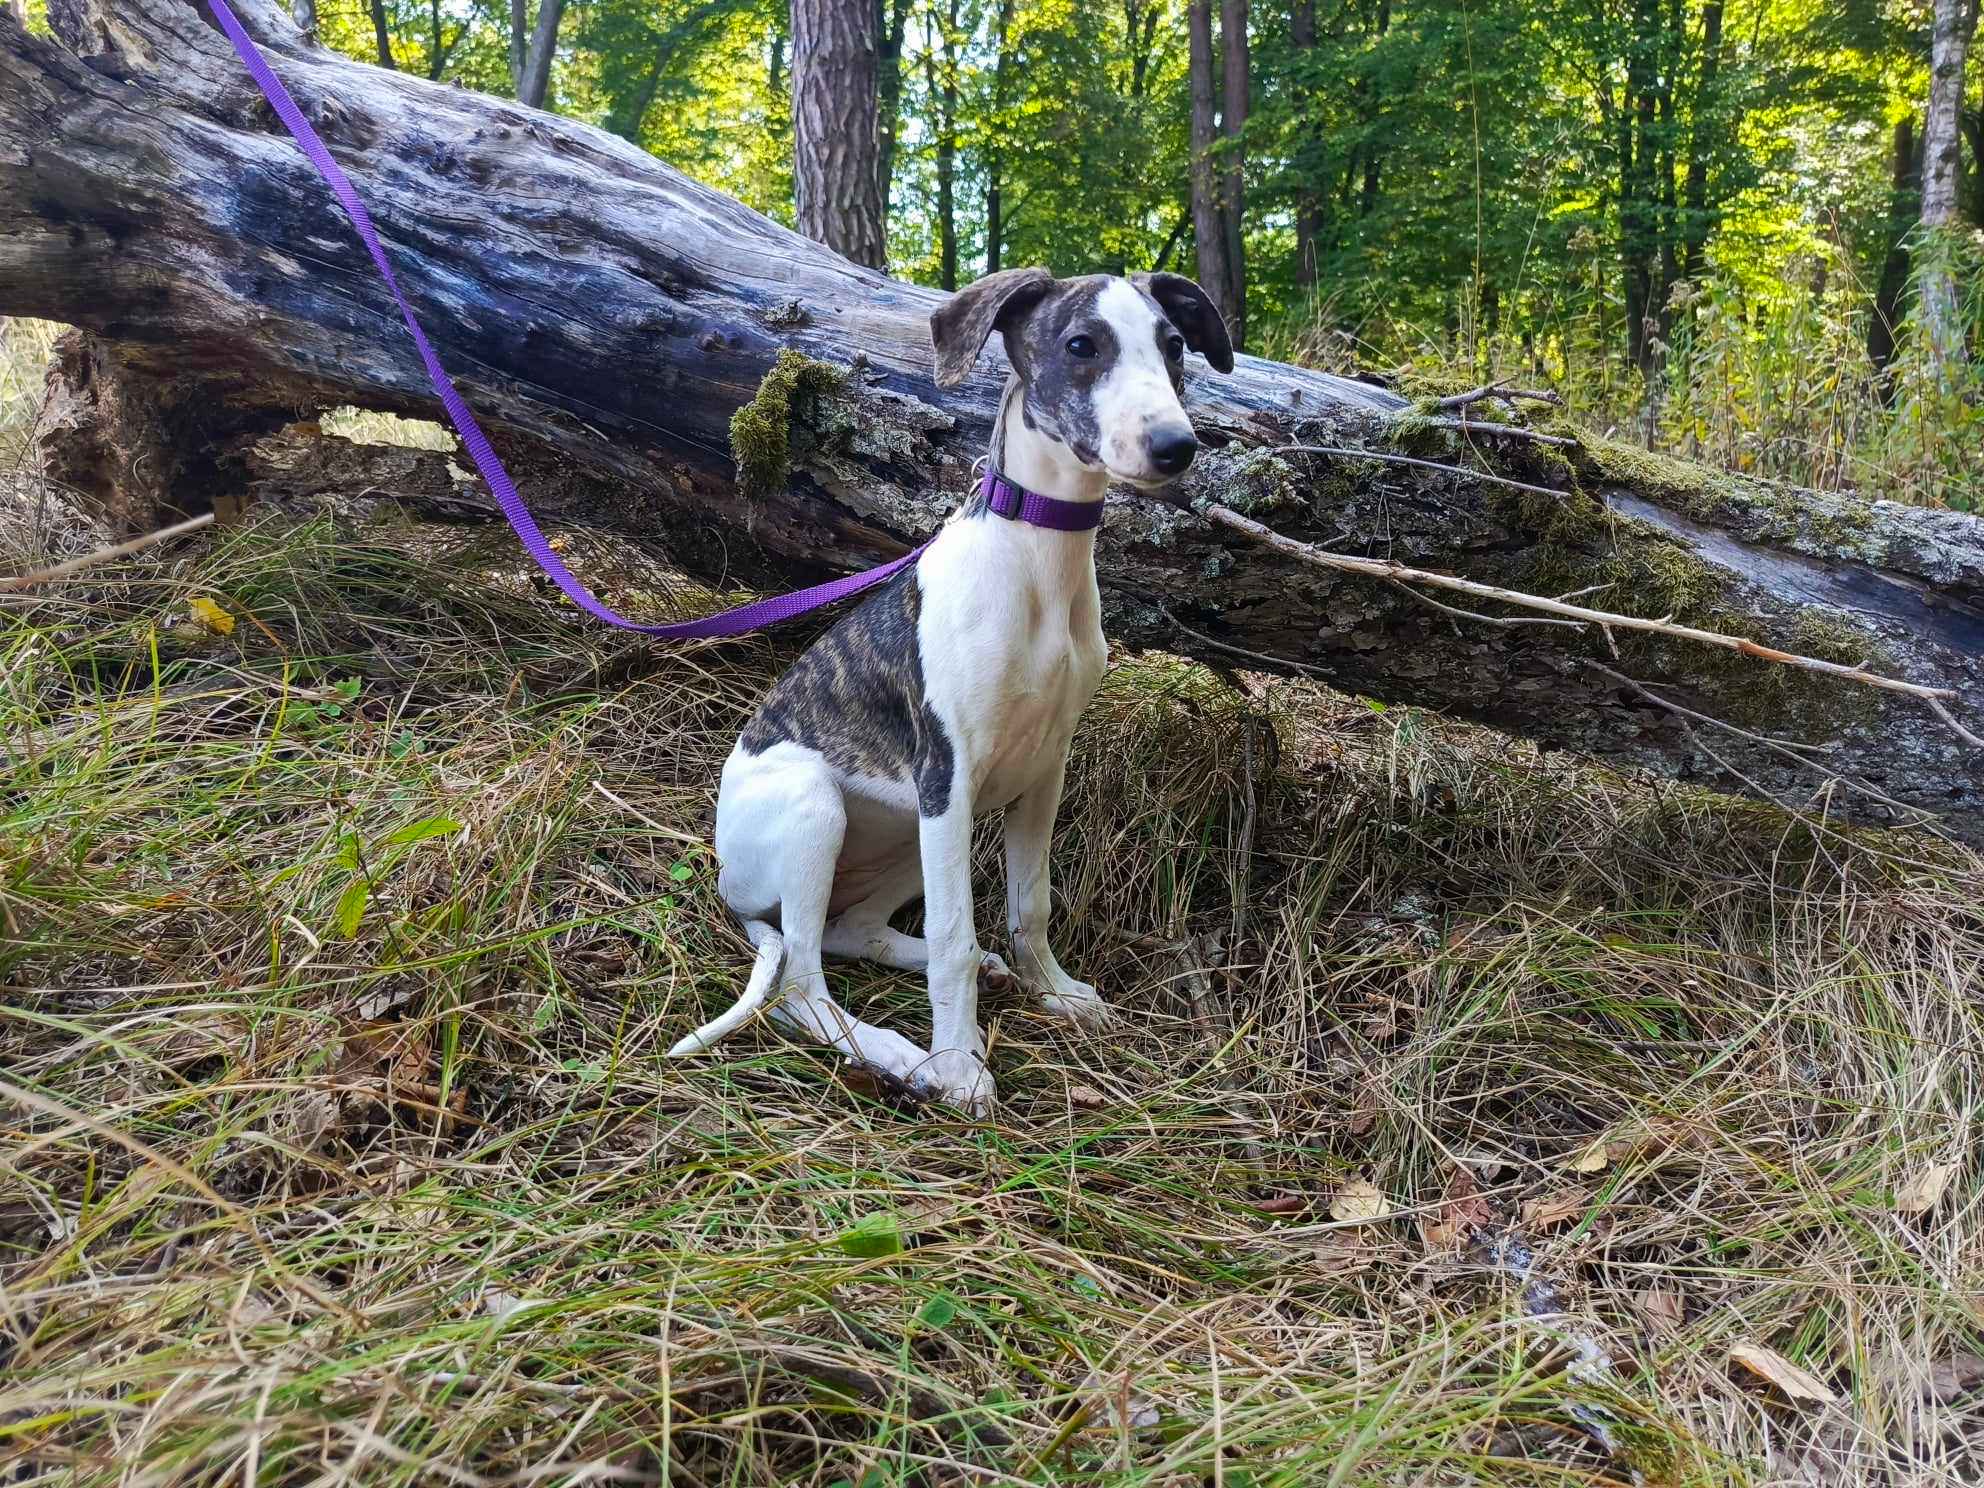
1008	500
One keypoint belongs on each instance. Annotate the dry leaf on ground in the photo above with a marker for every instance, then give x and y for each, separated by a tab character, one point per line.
1925	1188
1552	1209
1663	1310
1342	1254
1627	1140
1768	1364
1462	1210
1954	1377
1359	1202
211	617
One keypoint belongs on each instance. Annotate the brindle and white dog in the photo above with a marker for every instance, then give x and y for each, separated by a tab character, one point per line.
953	692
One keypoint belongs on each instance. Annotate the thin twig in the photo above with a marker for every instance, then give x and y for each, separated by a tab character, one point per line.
1460	614
1788	748
1385	568
1950	718
1511	431
1673	707
1500	389
1385	459
1271	663
105	555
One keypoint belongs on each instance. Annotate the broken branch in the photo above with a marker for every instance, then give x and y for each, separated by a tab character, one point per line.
1385	568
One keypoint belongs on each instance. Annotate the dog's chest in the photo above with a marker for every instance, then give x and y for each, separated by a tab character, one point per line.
1013	650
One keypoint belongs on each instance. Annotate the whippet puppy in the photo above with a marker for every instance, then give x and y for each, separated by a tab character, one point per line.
953	692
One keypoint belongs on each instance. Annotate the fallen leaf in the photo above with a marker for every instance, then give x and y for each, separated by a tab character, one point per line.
1663	1310
211	617
1086	1098
1342	1254
1629	1139
1363	1108
1925	1188
1773	1367
872	1237
1952	1377
1550	1210
1359	1202
1463	1210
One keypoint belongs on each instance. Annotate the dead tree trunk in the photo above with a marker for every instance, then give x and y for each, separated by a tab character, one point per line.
607	317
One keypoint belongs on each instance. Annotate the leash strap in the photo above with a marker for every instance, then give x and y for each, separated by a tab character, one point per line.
748	617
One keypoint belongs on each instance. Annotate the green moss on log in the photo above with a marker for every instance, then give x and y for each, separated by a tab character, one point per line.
761	431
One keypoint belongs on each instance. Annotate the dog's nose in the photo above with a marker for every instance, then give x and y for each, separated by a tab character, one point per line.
1171	450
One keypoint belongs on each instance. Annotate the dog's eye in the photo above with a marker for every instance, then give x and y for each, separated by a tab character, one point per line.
1175	348
1081	346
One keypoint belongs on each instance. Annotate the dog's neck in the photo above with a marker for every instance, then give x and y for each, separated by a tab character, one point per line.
1029	459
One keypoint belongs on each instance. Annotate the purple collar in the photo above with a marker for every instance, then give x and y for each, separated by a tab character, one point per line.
1012	501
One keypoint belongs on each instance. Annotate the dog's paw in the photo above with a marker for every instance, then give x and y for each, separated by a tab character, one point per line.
1077	1003
956	1077
994	975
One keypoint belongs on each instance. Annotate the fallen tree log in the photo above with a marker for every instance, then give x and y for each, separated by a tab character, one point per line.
608	317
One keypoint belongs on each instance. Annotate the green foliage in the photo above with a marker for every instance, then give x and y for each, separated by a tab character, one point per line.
1682	209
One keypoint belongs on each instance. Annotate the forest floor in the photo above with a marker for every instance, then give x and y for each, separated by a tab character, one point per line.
1471	1116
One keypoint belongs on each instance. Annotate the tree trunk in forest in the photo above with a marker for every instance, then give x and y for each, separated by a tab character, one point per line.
1308	201
836	147
533	78
1973	130
1237	77
607	317
995	160
1208	220
1940	307
893	17
1696	219
943	84
382	33
1904	205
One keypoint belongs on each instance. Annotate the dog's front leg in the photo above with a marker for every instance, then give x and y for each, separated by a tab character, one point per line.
1029	831
956	1073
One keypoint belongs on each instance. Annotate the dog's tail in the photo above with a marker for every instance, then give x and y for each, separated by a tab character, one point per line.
764	974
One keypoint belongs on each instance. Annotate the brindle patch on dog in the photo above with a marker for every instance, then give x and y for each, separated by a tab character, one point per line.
857	696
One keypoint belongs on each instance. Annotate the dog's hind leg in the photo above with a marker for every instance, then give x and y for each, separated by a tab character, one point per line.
863	932
780	824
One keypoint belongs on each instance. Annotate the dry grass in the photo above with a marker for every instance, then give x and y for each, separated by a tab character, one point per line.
336	1140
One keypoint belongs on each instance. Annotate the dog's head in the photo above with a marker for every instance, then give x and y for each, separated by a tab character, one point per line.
1101	360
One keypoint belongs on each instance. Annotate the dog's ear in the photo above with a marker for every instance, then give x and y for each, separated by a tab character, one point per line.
1191	310
960	327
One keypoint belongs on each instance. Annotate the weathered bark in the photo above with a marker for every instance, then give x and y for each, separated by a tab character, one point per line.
835	172
1942	168
606	317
